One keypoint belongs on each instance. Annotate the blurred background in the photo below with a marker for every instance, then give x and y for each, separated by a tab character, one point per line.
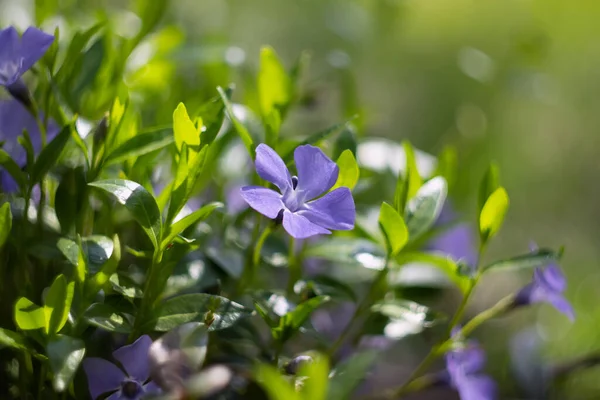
511	81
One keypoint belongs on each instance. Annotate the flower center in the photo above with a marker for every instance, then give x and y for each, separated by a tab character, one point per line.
131	389
9	71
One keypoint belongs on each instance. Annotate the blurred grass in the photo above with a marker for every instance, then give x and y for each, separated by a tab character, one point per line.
515	81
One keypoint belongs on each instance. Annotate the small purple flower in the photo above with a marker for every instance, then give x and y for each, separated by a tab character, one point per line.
302	217
14	119
457	241
463	368
547	286
104	376
18	54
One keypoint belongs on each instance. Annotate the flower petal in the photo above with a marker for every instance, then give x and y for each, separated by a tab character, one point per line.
561	304
316	172
472	359
265	201
134	358
103	376
551	277
271	167
299	227
478	387
10	57
34	45
458	242
335	210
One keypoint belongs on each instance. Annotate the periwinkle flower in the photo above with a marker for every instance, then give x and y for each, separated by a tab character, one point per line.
128	384
457	241
14	119
303	212
547	286
463	368
18	54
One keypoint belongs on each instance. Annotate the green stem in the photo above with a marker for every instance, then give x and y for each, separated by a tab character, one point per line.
363	306
295	268
253	259
149	296
499	308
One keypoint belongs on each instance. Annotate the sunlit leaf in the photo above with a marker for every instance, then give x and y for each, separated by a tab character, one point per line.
106	317
349	171
65	354
393	227
424	208
406	317
276	386
5	223
29	316
187	221
58	304
274	84
492	213
14	340
291	322
408	183
317	377
184	130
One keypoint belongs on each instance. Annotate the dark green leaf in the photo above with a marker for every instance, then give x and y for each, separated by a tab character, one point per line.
215	311
349	374
97	250
291	322
14	340
65	354
425	207
348	251
489	184
106	317
316	137
535	259
323	285
13	169
86	68
143	143
70	198
139	202
50	154
5	223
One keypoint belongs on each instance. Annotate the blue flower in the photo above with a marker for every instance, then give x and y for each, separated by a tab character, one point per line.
302	216
547	286
463	368
105	377
458	241
18	54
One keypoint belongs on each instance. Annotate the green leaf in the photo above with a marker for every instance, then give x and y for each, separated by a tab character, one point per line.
97	250
29	316
84	73
183	348
179	186
323	285
187	221
14	340
139	202
441	262
406	317
535	259
239	127
291	322
489	184
184	130
314	139
425	207
13	169
65	354
50	154
143	143
492	214
274	85
409	183
349	374
58	304
276	386
317	374
349	171
393	227
5	223
106	317
348	252
215	311
346	140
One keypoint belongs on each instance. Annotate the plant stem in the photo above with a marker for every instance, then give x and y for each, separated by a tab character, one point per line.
149	296
253	259
500	307
295	268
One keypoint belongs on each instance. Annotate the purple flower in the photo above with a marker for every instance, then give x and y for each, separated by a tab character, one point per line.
462	373
18	54
14	119
104	376
457	241
547	286
317	174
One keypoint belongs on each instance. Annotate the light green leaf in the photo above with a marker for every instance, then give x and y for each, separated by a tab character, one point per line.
14	340
440	261
5	223
139	202
425	207
179	186
58	304
349	171
274	84
291	322
184	130
317	374
50	154
65	354
534	259
393	227
106	317
29	316
276	386
143	143
492	213
187	221
409	183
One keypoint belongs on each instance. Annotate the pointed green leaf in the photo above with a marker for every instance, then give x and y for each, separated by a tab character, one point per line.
179	188
349	171
239	127
393	227
349	374
440	261
143	143
13	169
291	322
276	386
65	354
29	316
184	130
534	259
425	207
317	374
106	317
492	213
409	183
5	223
139	202
14	340
50	154
274	84
187	221
58	304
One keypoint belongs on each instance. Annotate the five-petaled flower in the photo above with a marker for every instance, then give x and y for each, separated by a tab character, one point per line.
463	368
301	217
14	119
547	286
104	376
18	54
